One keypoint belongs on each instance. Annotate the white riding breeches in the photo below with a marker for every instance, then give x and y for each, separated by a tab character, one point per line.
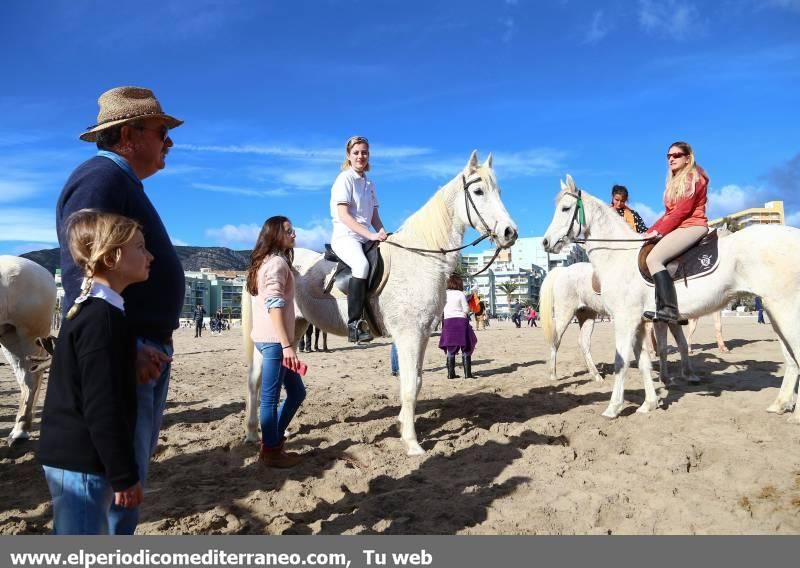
673	244
350	252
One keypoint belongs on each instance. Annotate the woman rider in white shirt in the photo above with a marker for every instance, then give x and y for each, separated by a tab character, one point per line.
354	207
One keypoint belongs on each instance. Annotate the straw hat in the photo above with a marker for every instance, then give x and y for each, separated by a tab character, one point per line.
125	104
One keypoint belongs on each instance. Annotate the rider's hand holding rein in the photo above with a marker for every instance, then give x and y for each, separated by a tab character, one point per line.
651	236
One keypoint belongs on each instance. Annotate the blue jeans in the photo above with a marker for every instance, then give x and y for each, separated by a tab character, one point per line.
394	362
151	400
273	375
80	501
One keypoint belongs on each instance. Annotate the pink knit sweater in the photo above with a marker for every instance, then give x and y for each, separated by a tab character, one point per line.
275	280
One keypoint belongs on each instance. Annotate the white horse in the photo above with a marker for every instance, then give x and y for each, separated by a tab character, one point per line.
413	286
567	293
27	302
763	260
717	329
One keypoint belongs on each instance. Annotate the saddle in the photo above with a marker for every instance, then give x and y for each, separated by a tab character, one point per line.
342	274
701	259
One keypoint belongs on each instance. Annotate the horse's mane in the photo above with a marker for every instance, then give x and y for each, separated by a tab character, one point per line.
433	222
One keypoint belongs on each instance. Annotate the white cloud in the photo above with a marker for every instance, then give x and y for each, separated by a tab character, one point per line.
732	198
670	17
598	29
646	212
241	190
179	243
245	235
30	247
508	29
27	224
16	190
793	5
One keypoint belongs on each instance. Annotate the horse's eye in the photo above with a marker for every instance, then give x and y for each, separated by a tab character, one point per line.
478	192
566	208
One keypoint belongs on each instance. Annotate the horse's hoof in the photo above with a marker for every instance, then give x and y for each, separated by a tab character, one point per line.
778	407
414	449
250	438
647	407
598	378
18	439
610	413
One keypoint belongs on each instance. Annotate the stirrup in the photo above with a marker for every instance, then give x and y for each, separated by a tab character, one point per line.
358	332
653	317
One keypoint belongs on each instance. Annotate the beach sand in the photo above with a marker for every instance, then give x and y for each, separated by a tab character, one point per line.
508	453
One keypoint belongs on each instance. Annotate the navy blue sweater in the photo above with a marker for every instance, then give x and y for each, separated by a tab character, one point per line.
89	414
153	307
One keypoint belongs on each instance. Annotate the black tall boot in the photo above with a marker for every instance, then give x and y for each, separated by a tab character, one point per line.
666	300
357	328
451	367
466	360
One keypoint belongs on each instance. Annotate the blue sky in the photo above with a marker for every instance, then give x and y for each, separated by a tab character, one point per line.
271	90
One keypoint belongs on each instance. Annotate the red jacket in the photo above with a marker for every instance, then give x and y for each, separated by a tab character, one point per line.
689	211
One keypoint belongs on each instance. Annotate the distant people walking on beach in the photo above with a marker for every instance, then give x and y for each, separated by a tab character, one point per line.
532	315
457	335
354	207
619	202
516	313
89	416
271	281
394	363
760	310
198	316
132	135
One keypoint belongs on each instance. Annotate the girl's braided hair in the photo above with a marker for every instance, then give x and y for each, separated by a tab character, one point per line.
95	242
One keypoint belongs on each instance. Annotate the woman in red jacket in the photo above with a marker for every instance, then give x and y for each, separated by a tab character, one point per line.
683	224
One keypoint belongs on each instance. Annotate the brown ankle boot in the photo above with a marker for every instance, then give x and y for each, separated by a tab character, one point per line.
276	457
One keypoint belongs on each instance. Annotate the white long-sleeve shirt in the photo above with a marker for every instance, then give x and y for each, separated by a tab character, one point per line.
456	306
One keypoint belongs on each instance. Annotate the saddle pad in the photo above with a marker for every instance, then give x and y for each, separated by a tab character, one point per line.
701	259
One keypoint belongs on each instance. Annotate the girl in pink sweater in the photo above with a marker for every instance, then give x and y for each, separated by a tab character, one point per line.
270	281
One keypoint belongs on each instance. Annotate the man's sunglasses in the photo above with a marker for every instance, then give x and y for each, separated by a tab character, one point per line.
163	131
676	155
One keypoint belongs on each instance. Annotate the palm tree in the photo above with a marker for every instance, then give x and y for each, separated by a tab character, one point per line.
508	288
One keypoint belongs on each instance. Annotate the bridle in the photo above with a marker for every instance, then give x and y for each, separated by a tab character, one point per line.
579	215
469	204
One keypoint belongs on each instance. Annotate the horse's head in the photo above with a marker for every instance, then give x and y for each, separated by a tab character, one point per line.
568	219
480	206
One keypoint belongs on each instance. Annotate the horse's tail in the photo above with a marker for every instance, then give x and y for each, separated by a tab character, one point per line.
546	305
247	326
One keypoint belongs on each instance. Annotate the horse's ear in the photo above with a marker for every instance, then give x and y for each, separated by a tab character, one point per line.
488	162
473	161
571	184
563	185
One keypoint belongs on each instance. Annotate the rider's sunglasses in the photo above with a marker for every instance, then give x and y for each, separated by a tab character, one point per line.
163	131
291	232
675	155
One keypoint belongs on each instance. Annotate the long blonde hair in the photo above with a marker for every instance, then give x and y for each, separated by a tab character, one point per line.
352	141
681	184
95	241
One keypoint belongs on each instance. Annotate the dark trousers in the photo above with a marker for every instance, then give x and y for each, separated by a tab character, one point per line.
198	328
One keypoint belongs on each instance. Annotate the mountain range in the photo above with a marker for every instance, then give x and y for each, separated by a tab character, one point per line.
192	258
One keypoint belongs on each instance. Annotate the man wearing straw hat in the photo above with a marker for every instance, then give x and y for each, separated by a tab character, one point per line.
132	135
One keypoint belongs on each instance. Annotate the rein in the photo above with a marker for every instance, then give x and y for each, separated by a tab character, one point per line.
487	234
580	216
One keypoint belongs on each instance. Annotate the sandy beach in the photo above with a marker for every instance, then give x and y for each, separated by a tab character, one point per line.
508	453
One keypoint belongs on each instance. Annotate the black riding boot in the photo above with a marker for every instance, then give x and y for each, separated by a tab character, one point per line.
357	328
451	367
666	300
466	360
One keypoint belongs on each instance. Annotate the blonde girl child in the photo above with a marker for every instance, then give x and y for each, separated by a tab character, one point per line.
89	415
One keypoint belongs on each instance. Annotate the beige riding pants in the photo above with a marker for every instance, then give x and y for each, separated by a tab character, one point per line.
672	245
